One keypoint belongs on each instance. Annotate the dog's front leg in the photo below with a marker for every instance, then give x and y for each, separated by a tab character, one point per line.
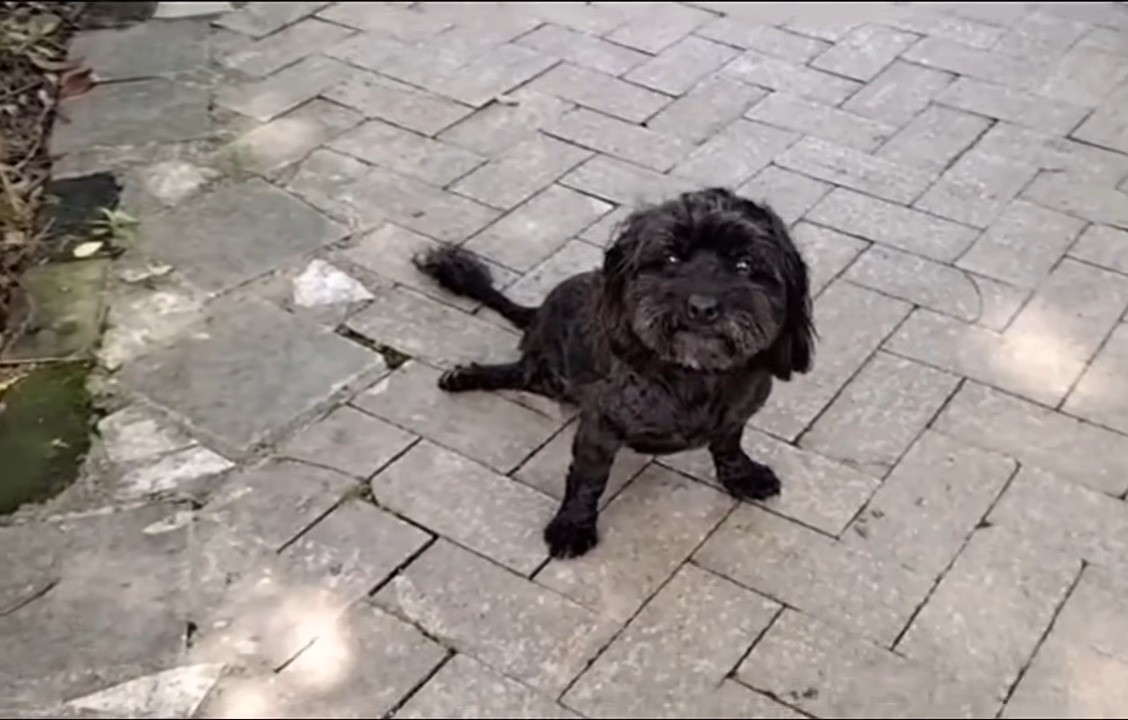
573	531
743	477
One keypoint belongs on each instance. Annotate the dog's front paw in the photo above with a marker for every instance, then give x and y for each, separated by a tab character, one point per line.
753	482
458	379
568	537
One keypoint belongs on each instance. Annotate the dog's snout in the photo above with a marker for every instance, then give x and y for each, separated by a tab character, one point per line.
703	308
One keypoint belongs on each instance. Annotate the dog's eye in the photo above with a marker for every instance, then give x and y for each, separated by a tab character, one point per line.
672	259
743	267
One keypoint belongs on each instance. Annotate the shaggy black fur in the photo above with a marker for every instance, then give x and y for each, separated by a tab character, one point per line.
672	345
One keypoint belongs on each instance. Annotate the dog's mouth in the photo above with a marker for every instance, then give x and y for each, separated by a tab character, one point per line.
719	346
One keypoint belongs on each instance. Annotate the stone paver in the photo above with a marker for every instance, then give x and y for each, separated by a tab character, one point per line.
283	516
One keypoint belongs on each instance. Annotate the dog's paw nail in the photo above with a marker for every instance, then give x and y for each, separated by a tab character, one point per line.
760	483
567	539
453	379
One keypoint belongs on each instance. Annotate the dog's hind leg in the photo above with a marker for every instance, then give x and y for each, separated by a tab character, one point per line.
508	376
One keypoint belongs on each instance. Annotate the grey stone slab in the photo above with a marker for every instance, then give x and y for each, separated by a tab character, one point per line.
1100	394
1037	436
548	468
1104	246
712	104
600	91
575	257
817	491
1039	34
864	52
812	118
682	65
991	610
1093	614
415	63
145	50
272	53
348	441
537	228
898	93
659	27
774	74
1106	127
423	328
1023	245
631	561
591	19
1104	39
673	656
1051	116
955	57
919	19
497	128
157	110
1085	76
1051	687
493	74
527	632
845	342
465	687
215	379
829	673
622	182
790	194
266	98
608	135
392	19
482	426
330	181
603	232
1054	153
273	227
258	20
396	103
520	173
390	147
827	252
1087	201
977	188
879	413
762	38
932	140
584	50
866	595
289	138
468	503
735	154
931	503
855	170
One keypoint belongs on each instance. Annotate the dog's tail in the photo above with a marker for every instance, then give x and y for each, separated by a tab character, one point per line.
462	273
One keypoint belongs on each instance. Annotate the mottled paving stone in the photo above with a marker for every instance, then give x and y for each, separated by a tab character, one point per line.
1039	34
766	39
829	673
790	194
497	128
1084	200
493	74
266	98
1105	40
575	257
621	139
1107	127
711	105
854	169
261	58
844	345
396	103
931	502
547	469
990	611
468	503
537	228
1100	394
864	594
1104	246
599	91
1023	245
389	18
775	74
132	113
812	118
1037	436
1006	70
215	380
659	27
1085	76
289	138
622	182
1050	152
603	232
735	154
892	224
920	19
273	227
259	19
880	413
934	138
348	441
682	65
415	63
145	50
466	423
675	653
328	180
977	188
465	687
898	93
1044	114
388	146
631	562
584	50
827	252
864	52
523	630
817	491
436	333
591	19
520	173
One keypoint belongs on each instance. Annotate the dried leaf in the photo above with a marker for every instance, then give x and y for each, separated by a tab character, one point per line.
76	82
87	249
46	64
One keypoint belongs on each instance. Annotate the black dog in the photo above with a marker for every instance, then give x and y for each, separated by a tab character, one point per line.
672	345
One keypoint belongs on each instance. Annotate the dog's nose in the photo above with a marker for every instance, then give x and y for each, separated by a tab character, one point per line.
703	308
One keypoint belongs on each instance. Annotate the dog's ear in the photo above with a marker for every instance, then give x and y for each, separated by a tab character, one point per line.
794	349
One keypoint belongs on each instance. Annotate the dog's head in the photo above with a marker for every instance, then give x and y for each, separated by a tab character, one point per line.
711	281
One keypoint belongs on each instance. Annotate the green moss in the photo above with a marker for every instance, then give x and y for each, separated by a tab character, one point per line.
45	424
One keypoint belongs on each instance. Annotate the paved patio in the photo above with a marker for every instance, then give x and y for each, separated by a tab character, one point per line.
285	517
